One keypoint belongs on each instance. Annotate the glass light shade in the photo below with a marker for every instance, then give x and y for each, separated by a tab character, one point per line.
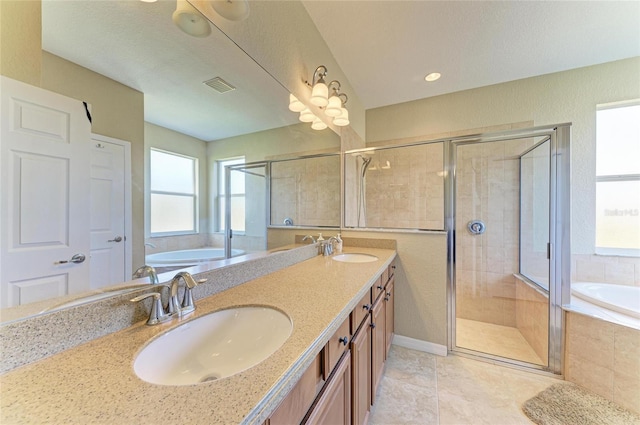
342	119
318	124
189	20
295	105
334	108
320	94
306	115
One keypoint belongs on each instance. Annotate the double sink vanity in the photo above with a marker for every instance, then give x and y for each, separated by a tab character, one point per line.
305	343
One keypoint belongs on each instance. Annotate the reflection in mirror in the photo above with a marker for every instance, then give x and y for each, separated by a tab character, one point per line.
137	45
306	192
395	187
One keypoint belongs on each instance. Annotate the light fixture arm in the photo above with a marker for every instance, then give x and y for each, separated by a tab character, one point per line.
344	98
335	86
319	74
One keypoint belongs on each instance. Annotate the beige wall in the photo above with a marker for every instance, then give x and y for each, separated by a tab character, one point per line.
21	40
117	111
421	278
569	96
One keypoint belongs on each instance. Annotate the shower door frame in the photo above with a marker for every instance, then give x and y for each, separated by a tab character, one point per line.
559	237
228	232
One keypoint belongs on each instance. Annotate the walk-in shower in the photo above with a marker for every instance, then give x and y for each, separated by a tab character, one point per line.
507	280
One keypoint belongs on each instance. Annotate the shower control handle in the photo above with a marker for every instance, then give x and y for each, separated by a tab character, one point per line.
476	227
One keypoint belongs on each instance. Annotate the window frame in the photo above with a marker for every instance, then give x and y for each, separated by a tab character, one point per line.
613	178
195	195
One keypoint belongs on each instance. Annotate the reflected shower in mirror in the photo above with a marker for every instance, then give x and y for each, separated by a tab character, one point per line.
395	187
306	192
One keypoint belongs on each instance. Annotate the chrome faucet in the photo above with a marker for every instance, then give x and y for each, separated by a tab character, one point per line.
147	271
157	314
326	247
313	240
187	305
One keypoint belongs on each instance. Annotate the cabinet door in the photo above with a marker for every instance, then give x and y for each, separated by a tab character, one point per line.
296	404
334	404
389	315
360	311
378	288
361	374
378	345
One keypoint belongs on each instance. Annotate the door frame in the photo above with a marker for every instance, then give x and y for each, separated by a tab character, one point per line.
559	238
128	216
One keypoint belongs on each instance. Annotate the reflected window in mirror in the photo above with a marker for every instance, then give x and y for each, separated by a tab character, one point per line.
237	195
174	193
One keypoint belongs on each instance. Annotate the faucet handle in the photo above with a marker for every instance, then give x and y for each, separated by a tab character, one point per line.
187	301
157	314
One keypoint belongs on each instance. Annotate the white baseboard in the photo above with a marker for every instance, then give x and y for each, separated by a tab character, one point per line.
418	344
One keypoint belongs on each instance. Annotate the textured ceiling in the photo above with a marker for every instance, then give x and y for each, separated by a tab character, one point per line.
387	47
137	44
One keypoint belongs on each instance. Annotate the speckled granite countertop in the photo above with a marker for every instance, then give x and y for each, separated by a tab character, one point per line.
95	382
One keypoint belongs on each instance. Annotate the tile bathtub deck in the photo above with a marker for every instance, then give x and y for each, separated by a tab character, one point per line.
421	388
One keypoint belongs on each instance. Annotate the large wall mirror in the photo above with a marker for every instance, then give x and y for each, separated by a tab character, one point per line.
204	98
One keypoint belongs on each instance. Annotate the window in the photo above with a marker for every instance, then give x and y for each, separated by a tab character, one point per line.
174	198
618	179
237	196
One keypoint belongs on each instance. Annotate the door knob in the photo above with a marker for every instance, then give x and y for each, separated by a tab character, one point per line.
116	239
77	259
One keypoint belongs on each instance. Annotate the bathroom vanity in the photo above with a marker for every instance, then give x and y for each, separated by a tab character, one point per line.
326	371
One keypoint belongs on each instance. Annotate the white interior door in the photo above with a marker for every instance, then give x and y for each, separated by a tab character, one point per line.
109	158
44	206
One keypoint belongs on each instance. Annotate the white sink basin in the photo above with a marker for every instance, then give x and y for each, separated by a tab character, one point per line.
355	258
214	346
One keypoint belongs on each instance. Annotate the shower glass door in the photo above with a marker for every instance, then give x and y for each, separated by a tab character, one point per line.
502	203
245	208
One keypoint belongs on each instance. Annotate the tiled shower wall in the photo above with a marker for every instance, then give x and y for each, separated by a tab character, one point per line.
487	184
307	191
405	187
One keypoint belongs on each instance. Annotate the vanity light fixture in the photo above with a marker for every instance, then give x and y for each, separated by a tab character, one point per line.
189	20
432	77
233	10
319	91
295	105
333	106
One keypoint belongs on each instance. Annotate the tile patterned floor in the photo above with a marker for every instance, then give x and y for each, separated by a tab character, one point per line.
421	388
502	341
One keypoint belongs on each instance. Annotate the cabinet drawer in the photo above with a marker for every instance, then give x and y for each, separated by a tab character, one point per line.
391	270
336	346
296	404
378	288
360	312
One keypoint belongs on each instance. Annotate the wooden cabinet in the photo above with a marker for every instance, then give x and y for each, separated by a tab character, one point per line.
361	373
377	289
297	403
378	345
362	310
333	407
337	345
389	315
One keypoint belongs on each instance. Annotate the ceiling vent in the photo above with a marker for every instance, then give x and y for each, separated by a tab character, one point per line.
219	85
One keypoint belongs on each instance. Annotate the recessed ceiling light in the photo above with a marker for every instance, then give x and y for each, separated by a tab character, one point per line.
432	77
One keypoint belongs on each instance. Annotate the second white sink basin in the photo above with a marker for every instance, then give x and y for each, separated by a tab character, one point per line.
355	258
214	346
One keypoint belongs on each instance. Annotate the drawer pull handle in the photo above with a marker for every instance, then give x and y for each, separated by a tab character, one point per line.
386	298
367	307
373	325
344	340
379	287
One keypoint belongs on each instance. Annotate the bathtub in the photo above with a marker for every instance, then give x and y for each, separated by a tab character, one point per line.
188	256
615	303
